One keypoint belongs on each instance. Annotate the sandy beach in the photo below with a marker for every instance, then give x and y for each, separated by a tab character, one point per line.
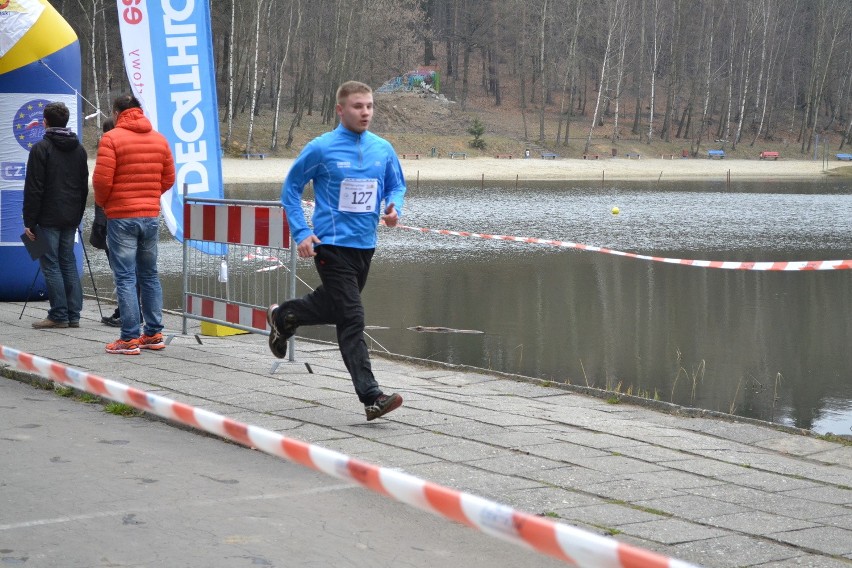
273	170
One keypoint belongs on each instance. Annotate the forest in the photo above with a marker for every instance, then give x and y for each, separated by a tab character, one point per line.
734	72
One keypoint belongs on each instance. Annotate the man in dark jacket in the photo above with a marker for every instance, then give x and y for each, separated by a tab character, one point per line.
55	191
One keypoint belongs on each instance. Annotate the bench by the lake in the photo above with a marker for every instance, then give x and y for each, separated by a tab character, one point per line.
591	156
766	155
503	156
633	155
460	155
250	155
846	157
548	156
412	155
716	154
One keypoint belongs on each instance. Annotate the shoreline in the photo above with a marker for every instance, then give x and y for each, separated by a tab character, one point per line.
273	170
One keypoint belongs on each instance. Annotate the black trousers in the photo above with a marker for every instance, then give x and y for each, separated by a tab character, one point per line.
343	272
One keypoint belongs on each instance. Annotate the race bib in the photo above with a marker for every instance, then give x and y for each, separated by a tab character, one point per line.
358	195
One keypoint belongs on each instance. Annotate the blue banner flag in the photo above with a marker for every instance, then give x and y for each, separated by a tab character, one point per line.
168	58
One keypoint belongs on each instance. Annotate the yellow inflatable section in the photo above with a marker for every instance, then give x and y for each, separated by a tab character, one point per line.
49	34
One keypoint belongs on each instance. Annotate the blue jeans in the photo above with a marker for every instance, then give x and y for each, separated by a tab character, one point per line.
132	246
59	265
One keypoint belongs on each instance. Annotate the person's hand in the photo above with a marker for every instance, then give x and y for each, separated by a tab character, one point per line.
391	217
29	233
306	247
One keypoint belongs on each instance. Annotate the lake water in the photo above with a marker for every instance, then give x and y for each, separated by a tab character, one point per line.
767	345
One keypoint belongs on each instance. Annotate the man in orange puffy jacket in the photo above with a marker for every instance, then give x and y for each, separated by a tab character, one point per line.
133	169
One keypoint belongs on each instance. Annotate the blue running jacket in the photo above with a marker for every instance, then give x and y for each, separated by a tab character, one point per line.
353	174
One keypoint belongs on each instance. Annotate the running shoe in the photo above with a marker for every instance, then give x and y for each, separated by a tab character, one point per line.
154	342
279	335
382	405
122	347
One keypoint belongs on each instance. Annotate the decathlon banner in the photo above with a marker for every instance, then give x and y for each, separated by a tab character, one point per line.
168	57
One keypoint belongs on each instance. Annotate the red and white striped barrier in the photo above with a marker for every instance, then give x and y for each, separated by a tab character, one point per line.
570	544
796	265
252	231
237	224
249	317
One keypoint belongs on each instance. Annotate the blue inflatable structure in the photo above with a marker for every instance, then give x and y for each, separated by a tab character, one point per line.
39	63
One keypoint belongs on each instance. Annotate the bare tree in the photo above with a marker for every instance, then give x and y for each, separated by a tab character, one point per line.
258	17
105	46
624	31
229	115
709	75
725	119
91	12
639	75
656	45
570	74
751	23
296	7
831	17
675	54
613	15
781	64
770	24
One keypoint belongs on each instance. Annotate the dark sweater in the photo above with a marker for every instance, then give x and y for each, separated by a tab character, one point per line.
57	181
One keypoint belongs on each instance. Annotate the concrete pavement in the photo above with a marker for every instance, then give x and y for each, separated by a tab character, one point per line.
80	488
710	490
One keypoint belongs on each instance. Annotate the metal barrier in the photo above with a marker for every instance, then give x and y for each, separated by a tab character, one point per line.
236	287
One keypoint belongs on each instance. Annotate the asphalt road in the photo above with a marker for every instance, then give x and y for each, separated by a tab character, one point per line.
83	488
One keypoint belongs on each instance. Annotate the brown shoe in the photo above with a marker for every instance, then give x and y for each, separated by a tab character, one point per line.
47	323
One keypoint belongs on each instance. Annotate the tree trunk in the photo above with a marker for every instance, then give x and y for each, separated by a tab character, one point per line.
230	103
623	20
91	20
708	76
640	72
615	7
749	36
542	72
107	68
674	70
570	73
280	87
254	72
655	59
726	125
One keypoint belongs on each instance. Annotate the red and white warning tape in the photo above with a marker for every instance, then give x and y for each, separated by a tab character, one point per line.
731	265
570	544
795	265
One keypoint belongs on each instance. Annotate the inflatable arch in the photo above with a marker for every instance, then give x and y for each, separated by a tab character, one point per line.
39	63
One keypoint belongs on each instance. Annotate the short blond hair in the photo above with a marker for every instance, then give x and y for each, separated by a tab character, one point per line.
351	88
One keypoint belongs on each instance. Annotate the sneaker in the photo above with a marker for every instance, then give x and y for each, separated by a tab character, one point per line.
382	405
73	324
112	321
122	347
278	336
48	323
154	342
